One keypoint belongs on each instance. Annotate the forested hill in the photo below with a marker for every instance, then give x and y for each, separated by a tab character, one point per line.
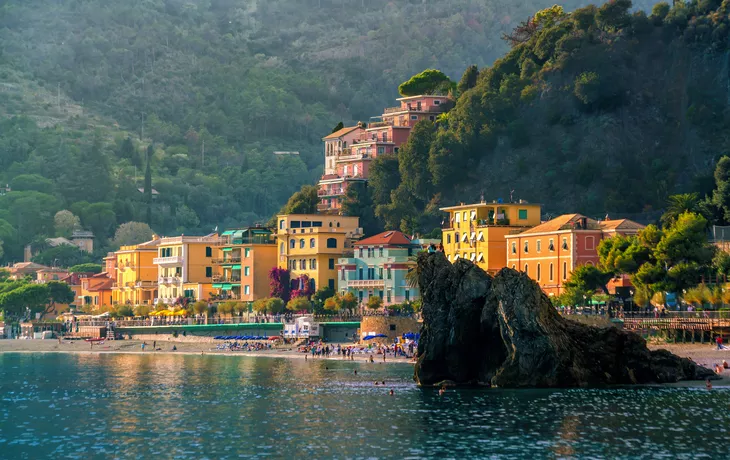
600	110
215	86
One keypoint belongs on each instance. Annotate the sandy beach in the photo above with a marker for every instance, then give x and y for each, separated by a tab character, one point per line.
165	347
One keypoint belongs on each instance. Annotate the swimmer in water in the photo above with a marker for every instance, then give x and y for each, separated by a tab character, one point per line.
708	384
355	371
376	383
392	392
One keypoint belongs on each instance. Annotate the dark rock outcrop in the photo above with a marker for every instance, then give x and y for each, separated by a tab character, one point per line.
504	331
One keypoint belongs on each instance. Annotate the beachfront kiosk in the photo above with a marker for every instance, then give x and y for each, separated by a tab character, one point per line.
306	327
302	327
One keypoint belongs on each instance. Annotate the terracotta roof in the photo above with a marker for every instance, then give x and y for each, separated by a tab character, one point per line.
103	286
101	275
556	224
341	132
620	224
385	238
27	266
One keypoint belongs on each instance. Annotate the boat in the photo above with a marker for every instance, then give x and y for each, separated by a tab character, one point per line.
99	340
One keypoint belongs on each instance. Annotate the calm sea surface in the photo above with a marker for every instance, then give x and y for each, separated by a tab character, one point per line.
132	406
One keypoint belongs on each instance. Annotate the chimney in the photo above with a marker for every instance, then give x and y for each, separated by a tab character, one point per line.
584	223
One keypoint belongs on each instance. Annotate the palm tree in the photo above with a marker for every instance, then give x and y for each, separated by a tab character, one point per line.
678	205
413	273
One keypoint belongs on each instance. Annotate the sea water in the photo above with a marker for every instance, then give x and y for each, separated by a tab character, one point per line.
176	406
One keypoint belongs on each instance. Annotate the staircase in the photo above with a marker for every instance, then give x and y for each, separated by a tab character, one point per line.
110	335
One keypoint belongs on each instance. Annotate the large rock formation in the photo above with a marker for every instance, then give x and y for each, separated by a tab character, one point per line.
504	331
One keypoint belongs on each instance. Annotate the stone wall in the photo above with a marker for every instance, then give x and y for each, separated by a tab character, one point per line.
392	326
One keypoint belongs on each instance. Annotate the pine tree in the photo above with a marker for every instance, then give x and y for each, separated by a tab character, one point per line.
148	184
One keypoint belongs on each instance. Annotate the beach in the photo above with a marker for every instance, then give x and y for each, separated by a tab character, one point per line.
165	347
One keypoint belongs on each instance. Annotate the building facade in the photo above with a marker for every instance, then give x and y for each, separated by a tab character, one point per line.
477	231
378	267
549	252
311	244
96	291
244	259
135	274
185	267
349	151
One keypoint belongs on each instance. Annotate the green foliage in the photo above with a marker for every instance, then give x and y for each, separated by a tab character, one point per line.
142	310
333	303
226	308
430	81
374	302
322	294
85	268
65	222
338	127
275	305
358	202
349	301
200	307
299	304
469	79
122	311
63	256
678	205
131	233
588	279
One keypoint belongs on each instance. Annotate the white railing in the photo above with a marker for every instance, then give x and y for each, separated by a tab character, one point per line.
168	280
366	283
173	260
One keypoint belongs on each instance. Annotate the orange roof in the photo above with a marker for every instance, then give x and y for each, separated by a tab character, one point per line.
103	286
386	238
341	132
556	224
620	224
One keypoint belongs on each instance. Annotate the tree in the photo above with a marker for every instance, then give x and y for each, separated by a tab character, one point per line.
413	160
338	127
678	205
374	302
64	255
358	203
33	297
132	233
430	81
86	268
469	79
275	305
322	294
200	307
349	301
588	279
261	305
384	178
721	194
302	202
65	222
299	304
226	308
279	285
58	292
122	311
148	183
142	310
333	303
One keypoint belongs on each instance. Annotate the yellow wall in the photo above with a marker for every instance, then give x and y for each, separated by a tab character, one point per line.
342	229
488	246
134	265
263	260
191	269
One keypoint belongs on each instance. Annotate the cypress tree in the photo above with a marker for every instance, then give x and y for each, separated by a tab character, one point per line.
148	184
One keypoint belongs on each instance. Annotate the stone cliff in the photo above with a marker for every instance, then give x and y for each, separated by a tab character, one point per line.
505	332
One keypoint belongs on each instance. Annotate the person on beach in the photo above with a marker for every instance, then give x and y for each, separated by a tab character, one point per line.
371	359
154	345
383	355
718	341
725	365
143	344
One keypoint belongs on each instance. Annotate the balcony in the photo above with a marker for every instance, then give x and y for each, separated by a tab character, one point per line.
226	279
335	192
391	110
227	260
499	222
173	260
379	124
145	284
324	207
168	280
354	156
366	283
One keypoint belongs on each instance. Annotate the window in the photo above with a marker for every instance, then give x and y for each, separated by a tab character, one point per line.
311	242
293	244
514	267
565	243
208	251
527	247
392	327
246	271
414	117
317	223
247	289
360	272
389	274
436	102
456	237
354	170
331	283
457	217
332	242
538	245
343	275
550	274
303	264
381	150
344	170
448	238
408	295
301	243
247	252
380	252
514	248
361	253
565	270
463	217
388	297
538	271
526	269
359	295
551	245
522	214
306	224
380	277
281	224
590	243
332	264
208	272
371	273
294	264
313	264
296	224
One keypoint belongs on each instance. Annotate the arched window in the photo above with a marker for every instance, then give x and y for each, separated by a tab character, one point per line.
281	224
448	238
293	244
354	170
282	247
514	248
456	237
332	242
338	224
330	224
514	266
301	243
527	247
538	271
303	263
294	264
526	269
551	272
311	242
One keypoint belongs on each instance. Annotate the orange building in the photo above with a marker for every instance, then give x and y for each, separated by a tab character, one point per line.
550	252
96	291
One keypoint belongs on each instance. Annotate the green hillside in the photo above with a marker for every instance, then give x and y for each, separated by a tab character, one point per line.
215	86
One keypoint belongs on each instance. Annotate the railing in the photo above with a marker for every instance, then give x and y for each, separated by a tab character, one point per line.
366	283
168	280
330	192
188	239
146	284
227	260
379	124
226	279
176	260
245	241
324	207
391	110
354	156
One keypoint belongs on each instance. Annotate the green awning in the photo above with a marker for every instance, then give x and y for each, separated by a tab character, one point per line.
236	267
238	234
227	287
227	232
217	285
227	249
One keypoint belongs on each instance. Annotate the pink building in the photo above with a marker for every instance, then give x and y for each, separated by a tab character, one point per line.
349	151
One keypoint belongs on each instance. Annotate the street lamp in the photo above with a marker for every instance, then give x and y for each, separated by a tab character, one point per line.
631	301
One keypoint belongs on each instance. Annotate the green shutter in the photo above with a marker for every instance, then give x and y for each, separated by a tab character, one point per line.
236	267
522	214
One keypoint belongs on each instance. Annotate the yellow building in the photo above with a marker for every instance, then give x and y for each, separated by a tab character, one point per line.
245	257
136	274
477	231
185	267
310	244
